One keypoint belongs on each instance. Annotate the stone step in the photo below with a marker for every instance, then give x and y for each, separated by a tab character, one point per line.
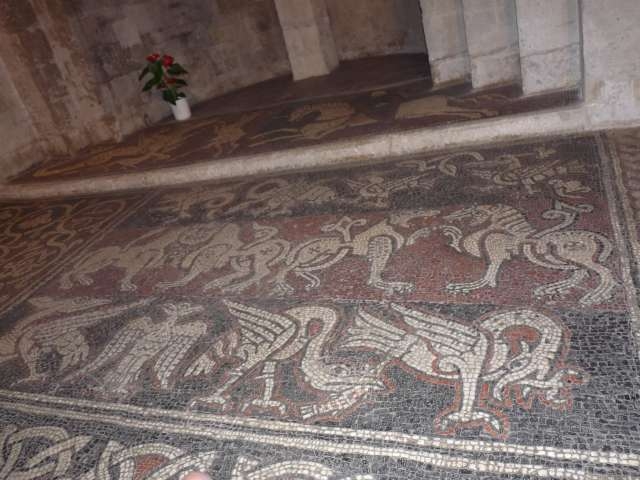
535	42
355	151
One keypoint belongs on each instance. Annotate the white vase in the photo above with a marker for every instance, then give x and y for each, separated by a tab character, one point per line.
181	110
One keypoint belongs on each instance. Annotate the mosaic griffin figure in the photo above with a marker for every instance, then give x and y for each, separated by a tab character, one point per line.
509	354
266	339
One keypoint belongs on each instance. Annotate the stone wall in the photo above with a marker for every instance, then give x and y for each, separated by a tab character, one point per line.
74	63
20	142
367	28
46	68
611	61
444	30
225	45
550	61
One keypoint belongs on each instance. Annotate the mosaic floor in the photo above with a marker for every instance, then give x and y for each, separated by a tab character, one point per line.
206	137
466	315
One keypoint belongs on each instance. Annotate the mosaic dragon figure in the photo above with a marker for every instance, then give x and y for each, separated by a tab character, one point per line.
514	353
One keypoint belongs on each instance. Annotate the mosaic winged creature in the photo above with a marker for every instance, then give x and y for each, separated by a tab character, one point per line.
57	326
265	339
161	343
509	354
501	232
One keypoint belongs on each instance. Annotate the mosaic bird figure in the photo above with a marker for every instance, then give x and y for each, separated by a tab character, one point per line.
58	327
505	350
267	339
143	340
264	338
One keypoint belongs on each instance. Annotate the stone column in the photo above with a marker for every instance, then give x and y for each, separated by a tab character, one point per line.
443	23
492	40
308	37
549	38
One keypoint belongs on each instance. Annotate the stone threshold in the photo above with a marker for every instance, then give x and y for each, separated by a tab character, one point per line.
362	150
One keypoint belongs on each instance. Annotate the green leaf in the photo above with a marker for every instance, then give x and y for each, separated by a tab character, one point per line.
176	69
180	82
169	95
145	70
149	85
155	68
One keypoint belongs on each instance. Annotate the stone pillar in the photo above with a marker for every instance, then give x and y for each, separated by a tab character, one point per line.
443	23
308	37
549	37
492	40
611	60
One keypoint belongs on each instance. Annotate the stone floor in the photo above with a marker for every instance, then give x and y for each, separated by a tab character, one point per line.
277	116
472	314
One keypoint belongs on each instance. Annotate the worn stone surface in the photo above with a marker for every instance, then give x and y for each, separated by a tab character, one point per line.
469	314
611	63
47	68
549	41
444	31
308	37
365	28
492	41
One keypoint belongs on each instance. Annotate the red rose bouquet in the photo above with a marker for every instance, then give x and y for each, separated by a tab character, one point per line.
165	73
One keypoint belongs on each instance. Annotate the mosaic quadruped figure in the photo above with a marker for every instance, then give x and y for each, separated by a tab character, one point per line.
501	232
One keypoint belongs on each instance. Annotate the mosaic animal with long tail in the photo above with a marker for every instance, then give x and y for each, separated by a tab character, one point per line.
501	353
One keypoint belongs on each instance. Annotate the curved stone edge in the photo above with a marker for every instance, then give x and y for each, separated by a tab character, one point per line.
355	151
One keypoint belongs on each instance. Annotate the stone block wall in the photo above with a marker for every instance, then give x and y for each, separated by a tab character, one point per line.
47	70
444	30
20	143
73	64
492	41
225	45
367	28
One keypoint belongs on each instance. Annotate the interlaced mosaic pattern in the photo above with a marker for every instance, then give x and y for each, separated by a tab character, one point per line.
470	314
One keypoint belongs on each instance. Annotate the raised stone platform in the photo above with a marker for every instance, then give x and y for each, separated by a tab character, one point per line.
368	126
